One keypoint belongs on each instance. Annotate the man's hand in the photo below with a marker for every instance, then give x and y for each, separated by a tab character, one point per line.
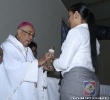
49	55
1	55
48	66
46	57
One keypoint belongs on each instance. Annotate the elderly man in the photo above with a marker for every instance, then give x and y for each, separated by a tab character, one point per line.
19	69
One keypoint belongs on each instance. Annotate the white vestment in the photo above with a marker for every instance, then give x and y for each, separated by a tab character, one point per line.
41	89
18	71
53	88
48	88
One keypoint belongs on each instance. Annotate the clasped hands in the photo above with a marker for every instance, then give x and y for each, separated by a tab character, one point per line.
48	65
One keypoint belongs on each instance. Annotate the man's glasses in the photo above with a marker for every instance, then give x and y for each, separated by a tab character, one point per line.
29	33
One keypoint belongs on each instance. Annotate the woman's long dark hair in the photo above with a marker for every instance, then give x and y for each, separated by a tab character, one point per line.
88	16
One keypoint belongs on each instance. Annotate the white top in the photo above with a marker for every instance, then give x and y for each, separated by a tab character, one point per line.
76	50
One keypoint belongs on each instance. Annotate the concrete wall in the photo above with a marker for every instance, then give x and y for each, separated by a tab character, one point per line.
45	15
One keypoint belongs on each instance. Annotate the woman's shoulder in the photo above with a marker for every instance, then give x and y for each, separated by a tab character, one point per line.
73	32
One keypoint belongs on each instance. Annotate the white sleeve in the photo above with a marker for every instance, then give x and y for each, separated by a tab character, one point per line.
71	46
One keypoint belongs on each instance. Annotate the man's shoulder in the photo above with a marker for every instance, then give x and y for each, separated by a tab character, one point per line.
6	44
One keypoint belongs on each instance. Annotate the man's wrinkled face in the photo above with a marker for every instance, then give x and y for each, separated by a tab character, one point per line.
26	35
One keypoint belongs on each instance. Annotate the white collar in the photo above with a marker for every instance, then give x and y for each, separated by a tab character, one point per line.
16	42
83	25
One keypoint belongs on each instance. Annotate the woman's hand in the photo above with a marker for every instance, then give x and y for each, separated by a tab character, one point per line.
47	56
46	68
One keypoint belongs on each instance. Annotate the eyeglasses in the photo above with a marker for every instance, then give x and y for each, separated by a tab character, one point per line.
29	33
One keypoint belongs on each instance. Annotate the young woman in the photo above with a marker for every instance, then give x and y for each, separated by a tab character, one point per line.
78	59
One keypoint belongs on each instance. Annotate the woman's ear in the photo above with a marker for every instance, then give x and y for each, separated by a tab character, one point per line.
76	14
